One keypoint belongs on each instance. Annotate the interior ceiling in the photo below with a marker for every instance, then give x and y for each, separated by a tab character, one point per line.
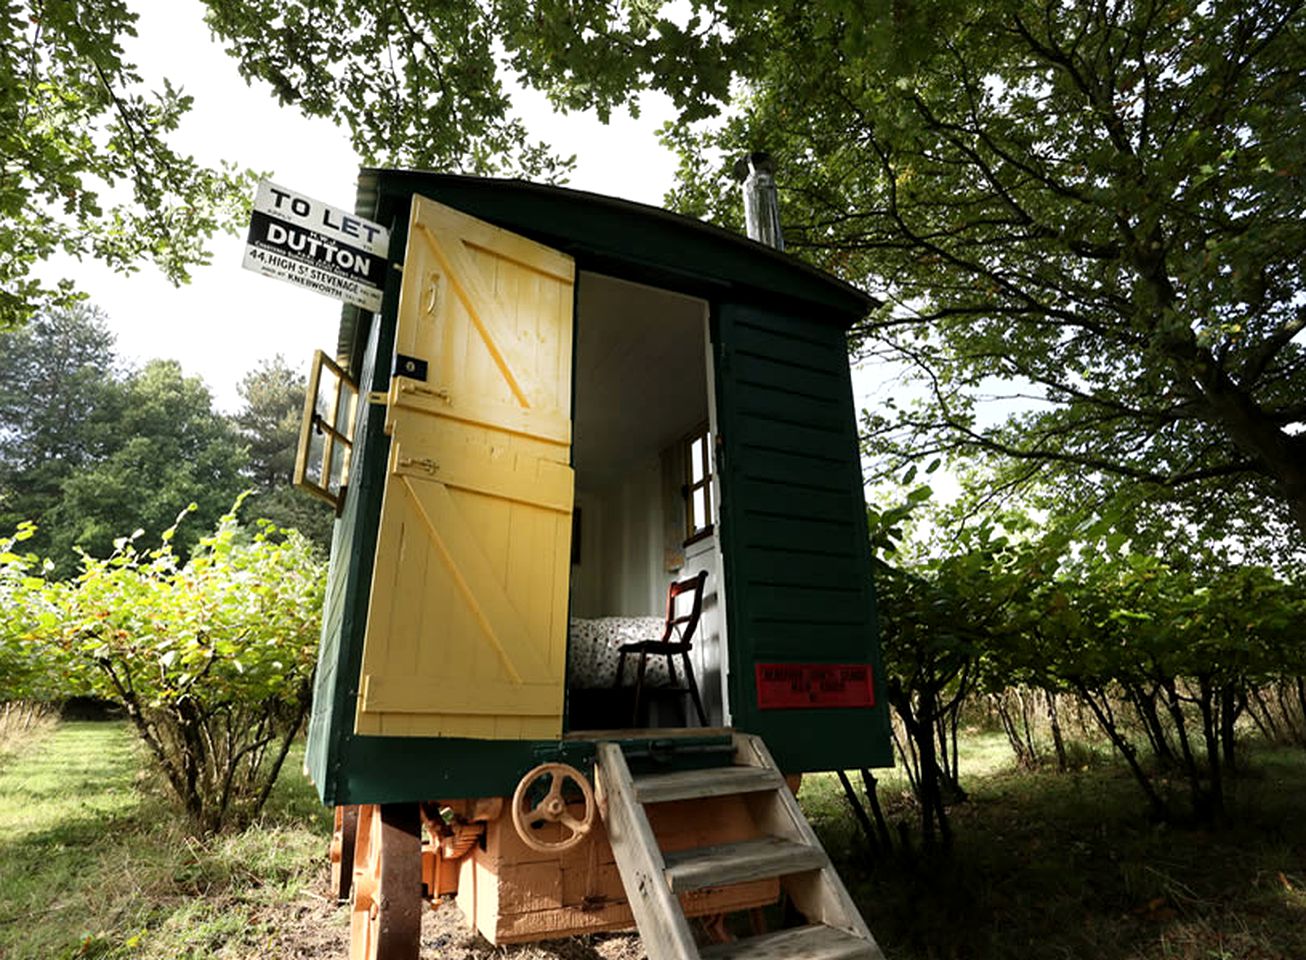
641	375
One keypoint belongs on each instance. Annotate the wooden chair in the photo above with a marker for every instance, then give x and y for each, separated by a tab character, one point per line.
677	638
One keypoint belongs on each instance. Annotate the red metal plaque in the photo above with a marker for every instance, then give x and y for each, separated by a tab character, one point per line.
796	685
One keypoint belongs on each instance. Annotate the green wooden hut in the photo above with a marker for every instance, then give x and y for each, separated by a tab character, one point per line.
568	403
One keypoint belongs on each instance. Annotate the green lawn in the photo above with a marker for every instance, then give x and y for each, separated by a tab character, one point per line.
93	863
93	866
1060	866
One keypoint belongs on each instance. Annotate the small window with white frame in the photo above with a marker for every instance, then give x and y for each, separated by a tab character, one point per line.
325	436
698	484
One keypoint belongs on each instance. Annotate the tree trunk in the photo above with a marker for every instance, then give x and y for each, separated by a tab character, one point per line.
1231	707
872	788
1213	804
1191	767
919	724
1144	703
1058	741
1263	716
1301	702
1126	750
1009	728
859	813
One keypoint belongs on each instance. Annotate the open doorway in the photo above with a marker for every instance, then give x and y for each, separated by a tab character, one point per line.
645	509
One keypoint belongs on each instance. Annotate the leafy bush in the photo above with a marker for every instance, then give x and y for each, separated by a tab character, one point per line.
32	675
1172	656
211	658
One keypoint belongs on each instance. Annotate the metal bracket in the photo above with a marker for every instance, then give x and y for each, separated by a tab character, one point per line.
414	368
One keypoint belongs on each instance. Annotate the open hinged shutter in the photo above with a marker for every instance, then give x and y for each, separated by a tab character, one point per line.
467	622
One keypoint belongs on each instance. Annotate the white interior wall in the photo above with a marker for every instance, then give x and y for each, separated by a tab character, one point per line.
641	387
620	573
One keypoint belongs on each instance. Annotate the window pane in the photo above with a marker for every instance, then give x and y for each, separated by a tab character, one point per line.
696	458
698	508
345	412
313	466
324	403
337	468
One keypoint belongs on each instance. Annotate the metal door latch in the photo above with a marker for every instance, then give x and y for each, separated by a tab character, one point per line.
421	463
425	391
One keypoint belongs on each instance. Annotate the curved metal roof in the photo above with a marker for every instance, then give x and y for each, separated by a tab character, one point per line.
612	235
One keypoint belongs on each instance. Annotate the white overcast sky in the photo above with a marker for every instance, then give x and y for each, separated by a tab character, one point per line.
227	319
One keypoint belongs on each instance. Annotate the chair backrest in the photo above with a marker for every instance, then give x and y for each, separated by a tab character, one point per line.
687	623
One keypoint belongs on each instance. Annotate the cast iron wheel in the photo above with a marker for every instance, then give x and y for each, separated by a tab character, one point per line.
342	850
386	912
552	809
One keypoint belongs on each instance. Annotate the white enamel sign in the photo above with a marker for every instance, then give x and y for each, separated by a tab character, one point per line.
313	245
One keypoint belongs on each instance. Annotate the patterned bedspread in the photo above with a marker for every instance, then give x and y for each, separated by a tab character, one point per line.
594	646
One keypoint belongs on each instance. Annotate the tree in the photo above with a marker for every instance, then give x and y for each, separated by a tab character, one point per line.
269	425
1099	205
76	126
59	399
1097	208
426	84
168	447
89	449
1166	660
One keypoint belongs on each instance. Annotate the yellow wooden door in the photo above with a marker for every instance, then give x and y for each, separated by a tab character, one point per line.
467	624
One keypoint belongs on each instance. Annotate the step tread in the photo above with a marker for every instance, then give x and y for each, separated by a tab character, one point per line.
709	782
814	942
727	863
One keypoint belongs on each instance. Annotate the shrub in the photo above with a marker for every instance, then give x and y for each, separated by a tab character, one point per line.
211	659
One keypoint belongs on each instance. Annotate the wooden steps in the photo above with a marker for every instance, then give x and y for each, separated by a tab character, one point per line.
736	862
788	849
814	942
712	782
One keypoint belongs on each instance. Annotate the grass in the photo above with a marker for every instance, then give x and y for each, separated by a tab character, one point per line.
92	865
22	724
1066	865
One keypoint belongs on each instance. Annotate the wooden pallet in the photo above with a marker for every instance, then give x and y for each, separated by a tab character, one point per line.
788	850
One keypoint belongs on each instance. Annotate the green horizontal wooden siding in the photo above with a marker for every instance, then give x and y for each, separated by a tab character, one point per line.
794	540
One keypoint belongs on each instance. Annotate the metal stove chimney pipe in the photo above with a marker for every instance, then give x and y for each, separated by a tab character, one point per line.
761	206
